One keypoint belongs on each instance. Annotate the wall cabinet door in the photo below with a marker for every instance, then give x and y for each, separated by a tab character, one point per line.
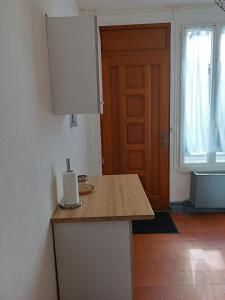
74	67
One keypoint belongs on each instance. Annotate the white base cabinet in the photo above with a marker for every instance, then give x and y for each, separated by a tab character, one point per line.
94	260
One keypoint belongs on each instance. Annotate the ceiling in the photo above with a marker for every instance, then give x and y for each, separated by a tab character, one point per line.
117	4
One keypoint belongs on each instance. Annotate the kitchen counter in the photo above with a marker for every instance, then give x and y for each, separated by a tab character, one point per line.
93	243
115	197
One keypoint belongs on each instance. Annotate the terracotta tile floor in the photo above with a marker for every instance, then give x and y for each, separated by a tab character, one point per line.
185	266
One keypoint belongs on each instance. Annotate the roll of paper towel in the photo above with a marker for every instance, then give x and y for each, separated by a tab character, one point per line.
70	188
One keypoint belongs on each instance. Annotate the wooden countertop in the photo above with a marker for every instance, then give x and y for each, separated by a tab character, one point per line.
115	197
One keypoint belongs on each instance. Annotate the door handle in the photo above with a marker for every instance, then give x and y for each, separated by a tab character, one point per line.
163	138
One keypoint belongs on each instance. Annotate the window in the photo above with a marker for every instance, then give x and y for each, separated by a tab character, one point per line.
202	134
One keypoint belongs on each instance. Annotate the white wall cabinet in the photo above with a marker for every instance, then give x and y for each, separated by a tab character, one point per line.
74	66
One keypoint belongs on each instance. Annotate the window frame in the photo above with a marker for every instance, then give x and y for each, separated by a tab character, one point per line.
211	165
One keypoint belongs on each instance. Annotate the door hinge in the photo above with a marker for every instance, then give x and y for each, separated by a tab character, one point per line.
103	161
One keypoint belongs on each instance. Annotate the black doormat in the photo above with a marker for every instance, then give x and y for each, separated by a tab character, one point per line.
163	223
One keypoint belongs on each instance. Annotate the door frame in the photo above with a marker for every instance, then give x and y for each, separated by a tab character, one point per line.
140	18
135	26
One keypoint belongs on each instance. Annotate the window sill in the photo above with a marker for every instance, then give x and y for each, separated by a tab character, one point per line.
186	168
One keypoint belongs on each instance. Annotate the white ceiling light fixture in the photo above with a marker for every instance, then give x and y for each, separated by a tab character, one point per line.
221	4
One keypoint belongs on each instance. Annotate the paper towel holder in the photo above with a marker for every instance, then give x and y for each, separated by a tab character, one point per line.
71	205
68	165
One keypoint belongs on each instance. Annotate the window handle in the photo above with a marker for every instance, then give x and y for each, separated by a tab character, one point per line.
163	138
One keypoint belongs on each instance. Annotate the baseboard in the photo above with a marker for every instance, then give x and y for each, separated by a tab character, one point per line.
177	207
187	207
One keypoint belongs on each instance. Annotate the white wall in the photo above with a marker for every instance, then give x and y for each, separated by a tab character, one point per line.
33	147
176	15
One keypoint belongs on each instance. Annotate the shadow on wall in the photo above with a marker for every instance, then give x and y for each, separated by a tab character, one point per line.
54	200
45	276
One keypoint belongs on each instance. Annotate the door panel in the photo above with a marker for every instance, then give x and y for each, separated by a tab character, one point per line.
136	114
135	38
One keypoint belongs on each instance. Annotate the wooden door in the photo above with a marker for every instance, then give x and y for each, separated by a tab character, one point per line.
135	122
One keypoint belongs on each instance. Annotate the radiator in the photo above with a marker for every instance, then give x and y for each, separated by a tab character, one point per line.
208	189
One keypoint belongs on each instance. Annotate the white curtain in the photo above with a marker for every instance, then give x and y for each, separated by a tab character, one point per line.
196	89
221	95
